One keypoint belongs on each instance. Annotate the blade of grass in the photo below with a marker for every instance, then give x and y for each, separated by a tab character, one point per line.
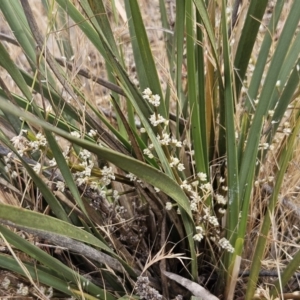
193	98
288	272
179	46
249	156
259	70
232	170
146	55
17	22
9	263
263	56
262	238
62	271
203	12
32	220
246	42
99	14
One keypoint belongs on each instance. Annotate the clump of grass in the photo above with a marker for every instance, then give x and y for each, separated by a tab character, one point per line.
162	192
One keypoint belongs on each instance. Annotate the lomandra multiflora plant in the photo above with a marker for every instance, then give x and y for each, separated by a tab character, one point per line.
147	160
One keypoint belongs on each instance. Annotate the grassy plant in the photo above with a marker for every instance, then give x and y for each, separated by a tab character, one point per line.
156	192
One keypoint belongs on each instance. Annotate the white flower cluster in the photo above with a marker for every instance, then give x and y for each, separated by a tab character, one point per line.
85	176
131	177
145	291
39	143
156	119
152	99
163	137
286	128
107	175
198	190
202	176
200	234
225	244
169	206
23	145
175	162
220	199
148	152
60	185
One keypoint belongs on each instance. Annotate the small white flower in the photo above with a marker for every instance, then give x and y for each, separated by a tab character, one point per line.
147	93
87	171
224	243
22	290
49	109
195	197
264	146
193	206
154	100
169	206
222	211
195	183
142	130
75	134
92	133
271	113
94	185
49	293
176	143
220	199
202	176
147	152
116	195
198	237
287	131
213	221
174	161
165	140
157	190
19	142
156	119
131	177
107	175
37	168
60	186
5	283
186	186
180	167
278	82
81	180
206	187
52	162
7	168
85	154
221	179
14	174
